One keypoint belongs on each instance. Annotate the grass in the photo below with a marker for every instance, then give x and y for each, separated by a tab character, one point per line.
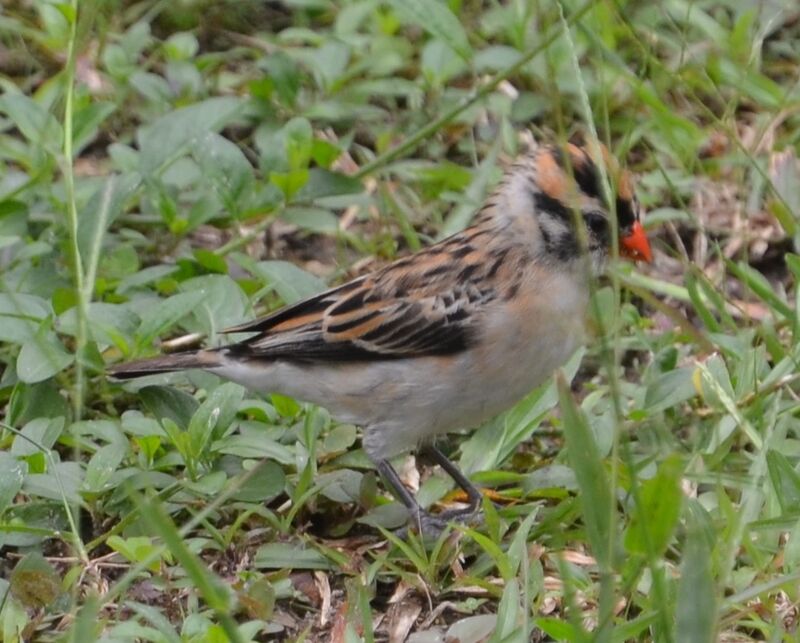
174	168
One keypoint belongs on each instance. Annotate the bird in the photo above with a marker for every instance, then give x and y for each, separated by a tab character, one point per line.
452	335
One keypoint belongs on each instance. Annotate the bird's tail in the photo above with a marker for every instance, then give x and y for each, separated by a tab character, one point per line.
167	364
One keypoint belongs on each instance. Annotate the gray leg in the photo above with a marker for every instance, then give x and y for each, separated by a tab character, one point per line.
399	490
474	495
426	524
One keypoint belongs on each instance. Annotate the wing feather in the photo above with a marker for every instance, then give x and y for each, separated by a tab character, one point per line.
426	307
297	314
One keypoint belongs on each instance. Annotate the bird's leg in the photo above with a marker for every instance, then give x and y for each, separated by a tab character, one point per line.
387	472
473	493
426	524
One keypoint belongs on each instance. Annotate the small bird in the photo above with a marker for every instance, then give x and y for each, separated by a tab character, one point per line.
454	334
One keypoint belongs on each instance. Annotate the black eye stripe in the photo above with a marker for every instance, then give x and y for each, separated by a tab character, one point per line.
599	228
546	203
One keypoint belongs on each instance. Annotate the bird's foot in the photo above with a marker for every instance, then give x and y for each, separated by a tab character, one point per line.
432	525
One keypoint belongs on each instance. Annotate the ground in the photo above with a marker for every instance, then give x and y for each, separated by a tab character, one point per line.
170	169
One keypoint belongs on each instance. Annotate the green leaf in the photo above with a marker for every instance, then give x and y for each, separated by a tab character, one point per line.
312	219
670	389
517	550
255	445
440	63
290	182
210	587
42	357
136	549
330	62
496	58
558	630
324	183
36	436
102	209
12	475
67	10
86	123
264	485
345	486
87	624
699	303
20	315
225	169
160	318
168	402
290	282
324	152
595	496
656	515
117	262
223	303
209	484
34	122
210	260
508	614
785	480
102	466
214	416
62	482
289	556
470	629
436	18
182	45
298	137
696	614
168	137
34	401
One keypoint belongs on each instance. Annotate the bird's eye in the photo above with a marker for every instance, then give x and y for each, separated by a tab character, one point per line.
596	222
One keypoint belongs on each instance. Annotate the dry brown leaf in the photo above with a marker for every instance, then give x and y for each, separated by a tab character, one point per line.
402	615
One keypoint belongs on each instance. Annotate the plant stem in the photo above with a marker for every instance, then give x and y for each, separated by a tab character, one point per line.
83	296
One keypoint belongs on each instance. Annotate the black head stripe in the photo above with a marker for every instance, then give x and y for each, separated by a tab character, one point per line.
587	176
588	179
626	216
584	170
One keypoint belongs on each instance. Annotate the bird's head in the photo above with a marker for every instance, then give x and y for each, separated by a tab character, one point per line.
575	213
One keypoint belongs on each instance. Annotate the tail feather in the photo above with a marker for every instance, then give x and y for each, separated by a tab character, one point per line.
166	364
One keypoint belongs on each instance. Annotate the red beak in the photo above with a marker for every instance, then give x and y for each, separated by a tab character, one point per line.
635	244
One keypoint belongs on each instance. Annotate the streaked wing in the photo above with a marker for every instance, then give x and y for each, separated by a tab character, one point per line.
298	313
408	309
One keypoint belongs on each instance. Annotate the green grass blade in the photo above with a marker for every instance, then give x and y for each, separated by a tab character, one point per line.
697	601
595	489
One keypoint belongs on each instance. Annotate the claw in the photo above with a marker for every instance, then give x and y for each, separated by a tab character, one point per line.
432	525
